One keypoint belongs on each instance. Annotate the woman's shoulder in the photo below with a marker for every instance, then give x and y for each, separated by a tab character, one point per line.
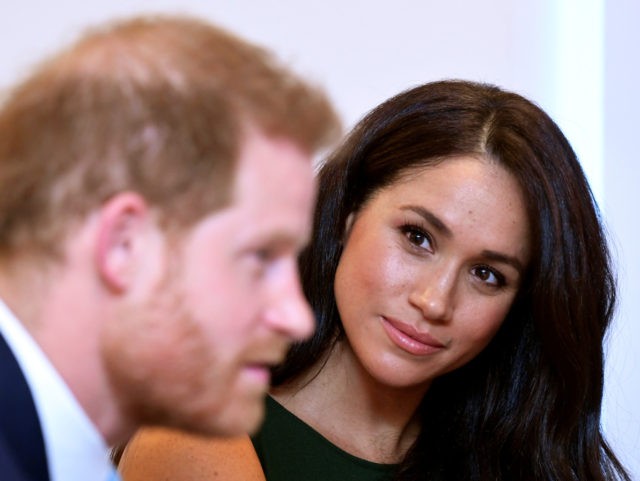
159	453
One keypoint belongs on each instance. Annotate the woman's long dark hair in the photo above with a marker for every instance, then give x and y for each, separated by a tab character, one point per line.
528	407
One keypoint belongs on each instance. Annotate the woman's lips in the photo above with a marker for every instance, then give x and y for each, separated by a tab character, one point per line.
409	339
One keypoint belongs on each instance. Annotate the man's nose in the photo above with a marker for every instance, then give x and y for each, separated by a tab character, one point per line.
289	312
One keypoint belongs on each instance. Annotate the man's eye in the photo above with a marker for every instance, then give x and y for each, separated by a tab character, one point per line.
264	255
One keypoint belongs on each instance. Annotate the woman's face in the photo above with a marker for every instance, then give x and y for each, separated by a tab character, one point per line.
430	268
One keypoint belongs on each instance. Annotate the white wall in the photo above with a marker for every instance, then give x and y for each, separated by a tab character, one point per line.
553	51
622	207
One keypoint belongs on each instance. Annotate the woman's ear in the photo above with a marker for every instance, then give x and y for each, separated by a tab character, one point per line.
122	228
347	227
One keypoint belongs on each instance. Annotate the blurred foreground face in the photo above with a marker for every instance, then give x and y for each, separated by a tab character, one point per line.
225	303
431	266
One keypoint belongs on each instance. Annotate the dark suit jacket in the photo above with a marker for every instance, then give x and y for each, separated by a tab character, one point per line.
22	452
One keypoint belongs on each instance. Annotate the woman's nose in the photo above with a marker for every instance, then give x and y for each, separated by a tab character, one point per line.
433	293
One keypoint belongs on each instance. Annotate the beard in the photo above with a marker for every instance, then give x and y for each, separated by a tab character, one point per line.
161	370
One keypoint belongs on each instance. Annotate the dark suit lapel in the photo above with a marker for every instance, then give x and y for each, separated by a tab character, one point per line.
19	423
10	470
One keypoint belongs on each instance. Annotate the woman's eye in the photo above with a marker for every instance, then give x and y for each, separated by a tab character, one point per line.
417	237
489	276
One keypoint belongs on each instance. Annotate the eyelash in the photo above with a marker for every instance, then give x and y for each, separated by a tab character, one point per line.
409	228
501	281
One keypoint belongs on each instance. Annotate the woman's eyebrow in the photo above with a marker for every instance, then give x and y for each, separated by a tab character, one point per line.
431	218
505	259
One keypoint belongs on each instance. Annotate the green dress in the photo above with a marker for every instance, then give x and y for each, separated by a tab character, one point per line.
291	450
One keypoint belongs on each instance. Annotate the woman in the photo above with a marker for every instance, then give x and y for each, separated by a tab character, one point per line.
462	286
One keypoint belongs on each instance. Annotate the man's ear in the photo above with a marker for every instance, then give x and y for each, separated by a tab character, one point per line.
123	223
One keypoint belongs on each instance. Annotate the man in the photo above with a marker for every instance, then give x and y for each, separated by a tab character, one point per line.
156	186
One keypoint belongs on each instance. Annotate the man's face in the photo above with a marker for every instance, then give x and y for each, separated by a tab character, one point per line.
226	303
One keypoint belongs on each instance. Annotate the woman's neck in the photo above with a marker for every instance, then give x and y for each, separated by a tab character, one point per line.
340	400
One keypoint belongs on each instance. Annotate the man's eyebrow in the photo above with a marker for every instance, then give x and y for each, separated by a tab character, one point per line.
285	240
430	217
441	227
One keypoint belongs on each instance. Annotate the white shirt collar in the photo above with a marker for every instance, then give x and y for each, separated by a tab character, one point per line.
75	449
